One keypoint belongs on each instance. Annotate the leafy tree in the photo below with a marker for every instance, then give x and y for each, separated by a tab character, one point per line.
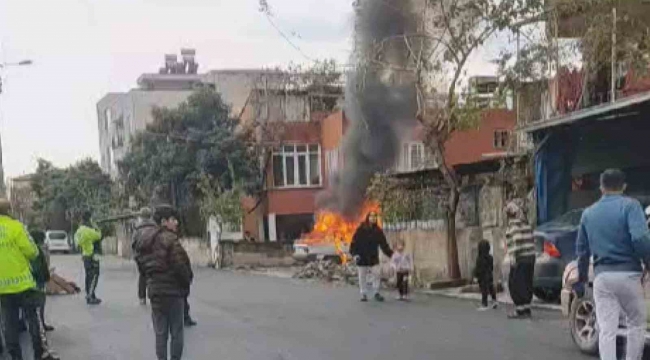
182	146
63	195
225	205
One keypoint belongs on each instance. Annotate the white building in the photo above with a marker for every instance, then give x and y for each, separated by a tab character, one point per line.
120	116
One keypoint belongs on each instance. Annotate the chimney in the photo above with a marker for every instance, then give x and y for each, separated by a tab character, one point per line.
170	63
189	62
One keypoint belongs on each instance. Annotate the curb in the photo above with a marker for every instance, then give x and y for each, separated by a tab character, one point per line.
475	298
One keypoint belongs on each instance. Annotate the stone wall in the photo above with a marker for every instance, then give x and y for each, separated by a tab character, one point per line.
198	250
244	254
480	216
429	251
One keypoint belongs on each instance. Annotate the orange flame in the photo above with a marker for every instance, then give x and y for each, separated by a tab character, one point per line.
333	228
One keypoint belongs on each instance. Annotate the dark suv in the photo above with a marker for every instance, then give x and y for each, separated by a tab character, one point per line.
555	242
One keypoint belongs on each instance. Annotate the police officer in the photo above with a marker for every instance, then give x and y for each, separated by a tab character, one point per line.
18	287
88	238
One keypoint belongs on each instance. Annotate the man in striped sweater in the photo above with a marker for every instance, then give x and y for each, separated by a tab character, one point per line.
520	245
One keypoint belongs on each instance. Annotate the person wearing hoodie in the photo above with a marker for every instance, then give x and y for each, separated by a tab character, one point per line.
144	225
484	274
168	275
366	242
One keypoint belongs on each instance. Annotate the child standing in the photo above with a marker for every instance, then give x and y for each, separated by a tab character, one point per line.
403	265
484	273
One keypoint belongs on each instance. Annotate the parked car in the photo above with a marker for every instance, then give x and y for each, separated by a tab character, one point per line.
313	252
58	241
555	246
582	312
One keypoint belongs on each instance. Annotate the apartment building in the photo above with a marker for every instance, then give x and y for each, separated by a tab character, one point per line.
120	116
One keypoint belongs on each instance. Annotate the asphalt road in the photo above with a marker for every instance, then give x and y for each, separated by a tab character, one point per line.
246	317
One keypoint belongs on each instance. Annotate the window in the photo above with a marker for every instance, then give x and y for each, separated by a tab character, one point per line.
332	162
297	166
501	139
118	133
415	156
107	118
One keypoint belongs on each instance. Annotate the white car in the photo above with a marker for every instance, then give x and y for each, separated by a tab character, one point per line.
313	252
57	240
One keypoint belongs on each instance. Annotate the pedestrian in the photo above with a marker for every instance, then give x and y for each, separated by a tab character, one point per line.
521	250
484	274
18	289
614	231
188	321
86	238
402	263
168	275
41	272
366	242
144	225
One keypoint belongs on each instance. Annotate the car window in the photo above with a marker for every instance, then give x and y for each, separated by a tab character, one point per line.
57	236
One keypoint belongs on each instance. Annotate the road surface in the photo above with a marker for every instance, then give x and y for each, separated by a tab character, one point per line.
246	317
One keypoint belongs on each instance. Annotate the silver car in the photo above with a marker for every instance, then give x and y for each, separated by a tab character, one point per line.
582	312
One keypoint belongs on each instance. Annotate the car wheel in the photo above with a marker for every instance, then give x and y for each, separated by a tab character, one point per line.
547	295
584	328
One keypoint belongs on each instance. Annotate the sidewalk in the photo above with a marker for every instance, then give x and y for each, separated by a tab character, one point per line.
502	298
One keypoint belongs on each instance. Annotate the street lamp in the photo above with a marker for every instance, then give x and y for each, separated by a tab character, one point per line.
3	189
20	63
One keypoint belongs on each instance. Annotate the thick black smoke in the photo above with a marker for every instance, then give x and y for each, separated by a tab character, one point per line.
378	101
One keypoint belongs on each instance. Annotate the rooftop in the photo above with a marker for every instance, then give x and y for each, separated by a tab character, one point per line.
628	106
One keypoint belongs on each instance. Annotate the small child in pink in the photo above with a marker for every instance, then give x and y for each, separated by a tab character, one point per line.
402	263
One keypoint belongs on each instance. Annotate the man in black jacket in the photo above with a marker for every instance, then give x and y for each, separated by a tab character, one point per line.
168	274
367	241
144	224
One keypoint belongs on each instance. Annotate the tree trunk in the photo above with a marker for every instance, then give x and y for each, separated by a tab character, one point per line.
448	173
453	266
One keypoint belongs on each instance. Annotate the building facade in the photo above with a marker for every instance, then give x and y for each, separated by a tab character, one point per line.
120	116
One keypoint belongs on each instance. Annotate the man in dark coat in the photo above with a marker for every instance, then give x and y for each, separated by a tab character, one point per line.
367	241
168	275
144	225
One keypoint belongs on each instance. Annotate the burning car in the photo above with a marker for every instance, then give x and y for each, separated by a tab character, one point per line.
314	252
331	236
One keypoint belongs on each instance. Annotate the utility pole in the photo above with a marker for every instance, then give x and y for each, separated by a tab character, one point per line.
3	187
614	67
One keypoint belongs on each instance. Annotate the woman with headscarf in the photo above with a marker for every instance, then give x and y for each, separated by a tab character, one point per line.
520	245
367	241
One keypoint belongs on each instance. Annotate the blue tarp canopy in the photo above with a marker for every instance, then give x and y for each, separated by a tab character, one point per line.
587	141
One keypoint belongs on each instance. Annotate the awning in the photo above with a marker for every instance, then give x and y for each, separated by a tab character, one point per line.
601	112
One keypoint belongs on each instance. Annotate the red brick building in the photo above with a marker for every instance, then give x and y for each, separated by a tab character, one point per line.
303	165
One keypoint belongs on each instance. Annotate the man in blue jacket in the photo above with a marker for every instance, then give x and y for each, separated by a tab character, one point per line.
615	233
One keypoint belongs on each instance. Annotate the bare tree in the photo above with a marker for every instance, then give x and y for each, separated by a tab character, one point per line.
448	34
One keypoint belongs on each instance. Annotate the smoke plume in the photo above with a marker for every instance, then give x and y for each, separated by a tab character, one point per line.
379	101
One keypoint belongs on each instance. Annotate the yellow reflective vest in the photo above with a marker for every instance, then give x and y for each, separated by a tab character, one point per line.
86	237
16	252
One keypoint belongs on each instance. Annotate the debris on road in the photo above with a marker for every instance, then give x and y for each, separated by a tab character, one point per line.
60	286
328	270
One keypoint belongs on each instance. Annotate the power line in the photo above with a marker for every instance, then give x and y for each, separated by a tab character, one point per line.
288	40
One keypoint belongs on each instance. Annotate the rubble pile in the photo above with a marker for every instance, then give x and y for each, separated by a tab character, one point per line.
328	270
